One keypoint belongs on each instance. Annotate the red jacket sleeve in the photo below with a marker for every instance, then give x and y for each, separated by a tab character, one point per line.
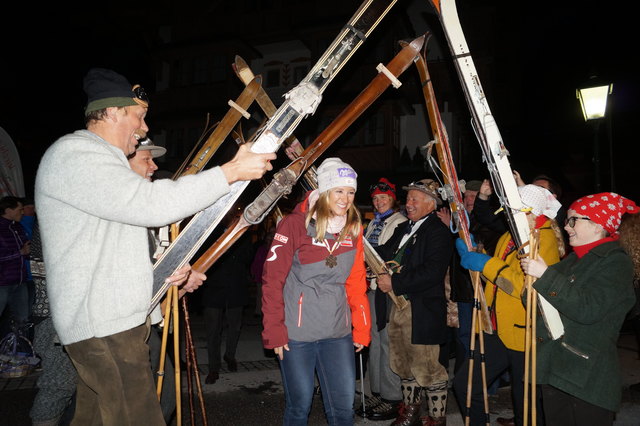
276	268
356	287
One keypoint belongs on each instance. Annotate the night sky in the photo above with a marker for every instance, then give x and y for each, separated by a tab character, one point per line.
544	50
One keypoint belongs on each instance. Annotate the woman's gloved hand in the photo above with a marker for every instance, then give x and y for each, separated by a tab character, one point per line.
470	259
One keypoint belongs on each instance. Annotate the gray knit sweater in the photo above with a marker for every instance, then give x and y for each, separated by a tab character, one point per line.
94	212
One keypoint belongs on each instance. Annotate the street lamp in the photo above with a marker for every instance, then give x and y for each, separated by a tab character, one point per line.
593	101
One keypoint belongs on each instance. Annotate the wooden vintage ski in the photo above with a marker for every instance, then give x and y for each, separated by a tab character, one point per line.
284	179
301	101
196	163
228	123
484	124
245	74
451	190
494	151
380	267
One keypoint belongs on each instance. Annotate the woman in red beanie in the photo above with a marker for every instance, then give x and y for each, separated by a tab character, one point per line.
384	383
592	288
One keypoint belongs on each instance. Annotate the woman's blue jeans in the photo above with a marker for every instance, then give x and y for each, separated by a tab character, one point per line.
334	362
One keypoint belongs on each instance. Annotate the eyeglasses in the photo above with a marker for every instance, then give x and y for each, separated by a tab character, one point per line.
571	221
140	93
384	187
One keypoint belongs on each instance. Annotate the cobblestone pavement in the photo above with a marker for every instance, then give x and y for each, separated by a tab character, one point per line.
253	395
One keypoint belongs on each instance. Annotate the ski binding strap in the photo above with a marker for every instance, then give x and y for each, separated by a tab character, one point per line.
394	81
238	108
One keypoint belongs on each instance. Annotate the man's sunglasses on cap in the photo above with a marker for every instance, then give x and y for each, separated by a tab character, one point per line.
140	93
145	141
420	184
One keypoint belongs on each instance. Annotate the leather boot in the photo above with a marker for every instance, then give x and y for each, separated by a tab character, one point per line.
434	421
408	415
409	410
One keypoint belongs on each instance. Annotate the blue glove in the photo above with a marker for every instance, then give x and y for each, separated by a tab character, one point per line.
469	259
474	261
461	246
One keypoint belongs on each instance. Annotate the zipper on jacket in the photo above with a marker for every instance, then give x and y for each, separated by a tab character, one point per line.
574	350
364	315
300	310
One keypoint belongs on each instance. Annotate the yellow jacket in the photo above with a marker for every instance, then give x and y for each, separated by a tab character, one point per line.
508	276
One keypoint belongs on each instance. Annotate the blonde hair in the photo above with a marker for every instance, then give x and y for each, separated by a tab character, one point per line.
557	232
323	213
562	248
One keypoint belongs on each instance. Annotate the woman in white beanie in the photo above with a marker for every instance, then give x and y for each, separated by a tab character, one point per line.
504	349
314	303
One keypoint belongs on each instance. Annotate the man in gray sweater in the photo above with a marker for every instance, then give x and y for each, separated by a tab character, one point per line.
94	212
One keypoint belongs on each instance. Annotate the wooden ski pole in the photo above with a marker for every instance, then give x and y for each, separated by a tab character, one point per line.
194	361
196	162
476	318
534	347
530	337
163	348
176	353
453	196
483	371
527	352
188	348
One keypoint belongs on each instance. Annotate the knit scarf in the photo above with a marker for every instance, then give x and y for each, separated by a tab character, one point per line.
377	224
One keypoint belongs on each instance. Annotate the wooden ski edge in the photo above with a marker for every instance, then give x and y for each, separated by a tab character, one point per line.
224	127
449	20
286	119
449	172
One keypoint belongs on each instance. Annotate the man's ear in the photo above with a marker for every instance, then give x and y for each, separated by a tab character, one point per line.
112	114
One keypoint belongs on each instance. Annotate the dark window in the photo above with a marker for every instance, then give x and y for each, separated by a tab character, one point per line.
181	73
374	130
273	78
218	68
200	70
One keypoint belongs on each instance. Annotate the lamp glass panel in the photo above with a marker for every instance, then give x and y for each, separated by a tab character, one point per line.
594	101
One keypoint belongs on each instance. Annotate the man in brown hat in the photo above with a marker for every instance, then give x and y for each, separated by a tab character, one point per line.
94	212
422	250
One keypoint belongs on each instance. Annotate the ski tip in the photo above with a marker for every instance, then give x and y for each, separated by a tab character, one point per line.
243	71
416	43
239	62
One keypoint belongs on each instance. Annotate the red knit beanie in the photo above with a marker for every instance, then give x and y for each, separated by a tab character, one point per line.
383	187
605	209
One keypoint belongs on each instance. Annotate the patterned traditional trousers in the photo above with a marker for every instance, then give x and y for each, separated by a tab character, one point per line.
419	368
